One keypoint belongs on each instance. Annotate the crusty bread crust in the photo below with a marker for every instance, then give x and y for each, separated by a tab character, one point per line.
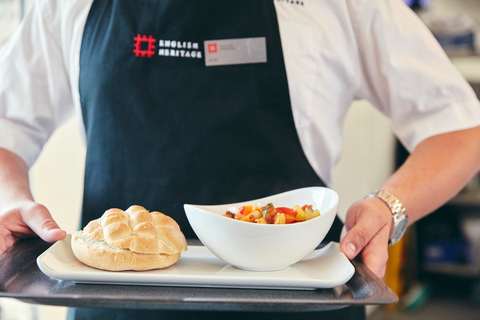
98	254
135	239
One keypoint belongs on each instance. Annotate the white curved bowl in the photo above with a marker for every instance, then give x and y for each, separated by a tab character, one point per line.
264	247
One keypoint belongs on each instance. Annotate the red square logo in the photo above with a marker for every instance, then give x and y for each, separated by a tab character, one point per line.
212	48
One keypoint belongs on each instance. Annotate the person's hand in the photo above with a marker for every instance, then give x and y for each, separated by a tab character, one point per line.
27	219
367	228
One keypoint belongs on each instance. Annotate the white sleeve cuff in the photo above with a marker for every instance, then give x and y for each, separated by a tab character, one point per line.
448	118
23	141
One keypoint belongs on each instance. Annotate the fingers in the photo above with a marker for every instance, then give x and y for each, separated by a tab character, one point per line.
375	254
362	224
366	231
6	239
25	219
359	237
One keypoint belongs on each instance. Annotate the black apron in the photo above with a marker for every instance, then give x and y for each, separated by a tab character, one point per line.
163	129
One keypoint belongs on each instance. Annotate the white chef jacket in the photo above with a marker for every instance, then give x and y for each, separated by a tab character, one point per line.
335	51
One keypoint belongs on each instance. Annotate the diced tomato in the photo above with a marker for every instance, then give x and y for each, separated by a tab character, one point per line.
287	211
270	214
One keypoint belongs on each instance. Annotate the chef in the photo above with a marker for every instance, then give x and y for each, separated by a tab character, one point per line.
222	101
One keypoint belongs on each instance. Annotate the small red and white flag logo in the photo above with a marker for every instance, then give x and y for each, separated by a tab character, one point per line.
212	48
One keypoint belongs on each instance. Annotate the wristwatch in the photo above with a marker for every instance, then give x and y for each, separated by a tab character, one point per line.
400	218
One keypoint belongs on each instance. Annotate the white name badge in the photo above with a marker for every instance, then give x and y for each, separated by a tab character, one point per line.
235	51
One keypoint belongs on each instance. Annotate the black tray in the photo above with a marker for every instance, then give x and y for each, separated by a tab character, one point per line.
21	279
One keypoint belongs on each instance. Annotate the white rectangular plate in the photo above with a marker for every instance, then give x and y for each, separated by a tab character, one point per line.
198	267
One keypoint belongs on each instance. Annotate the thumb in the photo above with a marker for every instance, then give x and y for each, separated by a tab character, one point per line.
41	222
347	246
364	220
365	233
50	231
356	238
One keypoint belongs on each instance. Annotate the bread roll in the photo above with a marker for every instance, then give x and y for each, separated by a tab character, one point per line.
135	239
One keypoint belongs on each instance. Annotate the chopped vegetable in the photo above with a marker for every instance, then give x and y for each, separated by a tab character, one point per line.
272	215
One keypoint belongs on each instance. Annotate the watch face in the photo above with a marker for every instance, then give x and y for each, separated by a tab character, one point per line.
399	231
